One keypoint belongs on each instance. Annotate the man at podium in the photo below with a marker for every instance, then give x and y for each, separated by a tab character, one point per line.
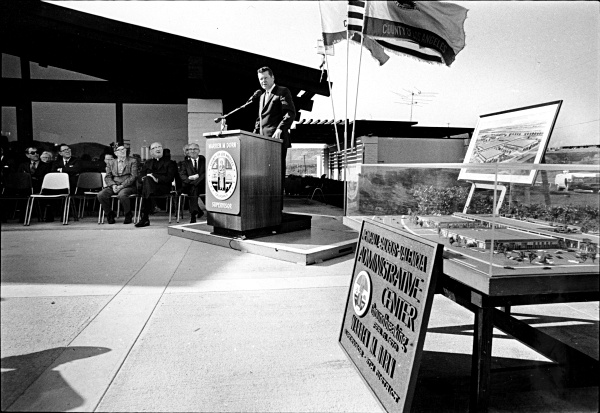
276	112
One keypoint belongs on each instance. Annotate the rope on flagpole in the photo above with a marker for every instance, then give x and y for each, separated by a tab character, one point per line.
337	138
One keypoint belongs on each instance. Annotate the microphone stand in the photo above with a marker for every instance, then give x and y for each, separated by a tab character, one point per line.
223	118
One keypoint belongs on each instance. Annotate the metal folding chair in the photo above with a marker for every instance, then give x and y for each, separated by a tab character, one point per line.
17	187
181	204
88	186
113	197
53	181
169	198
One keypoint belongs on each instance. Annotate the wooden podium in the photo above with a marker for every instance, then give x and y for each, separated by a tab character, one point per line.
244	192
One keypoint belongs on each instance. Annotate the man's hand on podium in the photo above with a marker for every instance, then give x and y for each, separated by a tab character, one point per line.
277	134
193	177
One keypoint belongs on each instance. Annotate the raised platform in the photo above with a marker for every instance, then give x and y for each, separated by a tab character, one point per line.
289	223
327	238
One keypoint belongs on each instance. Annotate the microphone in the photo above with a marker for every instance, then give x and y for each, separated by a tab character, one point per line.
255	96
252	99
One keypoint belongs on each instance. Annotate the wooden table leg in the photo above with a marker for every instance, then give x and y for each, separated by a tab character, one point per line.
482	359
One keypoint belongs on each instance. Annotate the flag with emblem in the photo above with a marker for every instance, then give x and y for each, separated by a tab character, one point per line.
428	31
334	17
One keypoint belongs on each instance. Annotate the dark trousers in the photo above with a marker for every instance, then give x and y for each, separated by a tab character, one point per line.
150	188
104	197
194	192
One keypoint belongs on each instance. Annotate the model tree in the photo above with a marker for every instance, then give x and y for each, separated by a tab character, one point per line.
531	256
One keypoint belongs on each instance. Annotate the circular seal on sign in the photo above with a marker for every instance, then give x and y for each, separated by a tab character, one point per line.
222	175
361	297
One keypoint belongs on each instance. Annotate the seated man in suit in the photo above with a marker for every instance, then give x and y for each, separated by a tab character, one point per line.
67	164
192	172
121	176
157	176
36	168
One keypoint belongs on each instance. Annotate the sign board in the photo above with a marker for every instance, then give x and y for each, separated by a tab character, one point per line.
387	310
222	175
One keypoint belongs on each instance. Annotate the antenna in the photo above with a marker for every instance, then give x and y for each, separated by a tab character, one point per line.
415	97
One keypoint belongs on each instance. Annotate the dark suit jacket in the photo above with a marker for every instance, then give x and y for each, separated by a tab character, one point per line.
164	170
38	176
278	112
127	178
73	167
186	169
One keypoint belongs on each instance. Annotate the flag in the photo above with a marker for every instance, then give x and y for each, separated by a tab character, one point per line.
334	17
428	31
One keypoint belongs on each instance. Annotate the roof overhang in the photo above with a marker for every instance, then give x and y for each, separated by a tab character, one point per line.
139	62
323	131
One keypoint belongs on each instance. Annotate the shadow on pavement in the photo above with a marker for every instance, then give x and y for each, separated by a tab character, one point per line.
19	372
443	385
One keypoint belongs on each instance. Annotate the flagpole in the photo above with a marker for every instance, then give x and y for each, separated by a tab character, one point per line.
346	117
337	138
362	39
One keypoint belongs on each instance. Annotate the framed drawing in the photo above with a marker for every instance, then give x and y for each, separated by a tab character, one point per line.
510	137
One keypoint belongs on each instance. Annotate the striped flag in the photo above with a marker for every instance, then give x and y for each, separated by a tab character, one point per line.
429	31
334	17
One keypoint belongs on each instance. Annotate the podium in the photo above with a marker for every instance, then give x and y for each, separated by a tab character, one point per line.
244	192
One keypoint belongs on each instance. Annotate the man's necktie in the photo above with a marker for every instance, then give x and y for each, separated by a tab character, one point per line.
32	167
195	165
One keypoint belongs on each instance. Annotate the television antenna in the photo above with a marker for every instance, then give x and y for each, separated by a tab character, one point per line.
415	97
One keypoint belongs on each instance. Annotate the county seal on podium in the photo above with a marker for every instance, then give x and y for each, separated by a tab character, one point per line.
222	175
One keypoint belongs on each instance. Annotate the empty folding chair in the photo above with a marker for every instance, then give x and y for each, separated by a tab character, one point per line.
54	181
88	186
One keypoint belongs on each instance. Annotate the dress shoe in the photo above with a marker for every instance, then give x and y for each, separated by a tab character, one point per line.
144	222
111	217
128	218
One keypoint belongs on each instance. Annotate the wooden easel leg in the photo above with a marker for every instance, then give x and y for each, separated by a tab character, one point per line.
482	360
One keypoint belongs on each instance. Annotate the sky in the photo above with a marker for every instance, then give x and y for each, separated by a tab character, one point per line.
517	54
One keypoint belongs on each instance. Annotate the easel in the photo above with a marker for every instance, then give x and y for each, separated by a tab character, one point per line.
503	187
481	185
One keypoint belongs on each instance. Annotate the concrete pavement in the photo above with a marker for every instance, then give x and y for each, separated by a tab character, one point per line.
113	318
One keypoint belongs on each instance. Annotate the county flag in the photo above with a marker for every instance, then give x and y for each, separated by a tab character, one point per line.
429	31
334	18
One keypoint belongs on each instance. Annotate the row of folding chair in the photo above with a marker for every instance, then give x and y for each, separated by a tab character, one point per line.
138	206
88	186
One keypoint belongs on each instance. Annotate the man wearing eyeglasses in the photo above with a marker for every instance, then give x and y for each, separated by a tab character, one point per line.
35	168
192	172
157	175
67	164
121	175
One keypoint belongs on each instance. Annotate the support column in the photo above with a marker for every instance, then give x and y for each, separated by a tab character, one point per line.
119	121
371	149
24	110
